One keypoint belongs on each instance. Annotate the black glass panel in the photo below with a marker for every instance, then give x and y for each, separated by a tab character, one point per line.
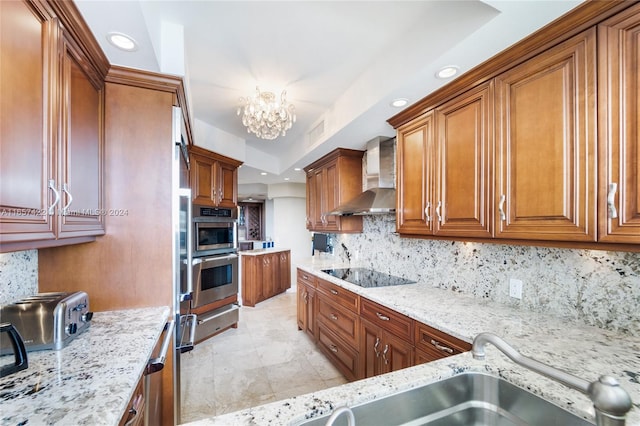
364	277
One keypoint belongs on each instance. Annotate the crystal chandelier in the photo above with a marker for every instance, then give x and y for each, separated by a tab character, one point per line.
266	116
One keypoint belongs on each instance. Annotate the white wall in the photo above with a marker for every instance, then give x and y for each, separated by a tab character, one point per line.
289	229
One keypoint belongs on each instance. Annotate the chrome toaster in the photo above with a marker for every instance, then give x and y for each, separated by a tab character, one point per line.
47	320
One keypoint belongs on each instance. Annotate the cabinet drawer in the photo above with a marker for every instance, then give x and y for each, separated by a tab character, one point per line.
306	278
435	342
339	320
343	357
339	295
387	319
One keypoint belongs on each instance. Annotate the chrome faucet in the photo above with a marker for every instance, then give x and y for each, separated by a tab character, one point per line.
610	401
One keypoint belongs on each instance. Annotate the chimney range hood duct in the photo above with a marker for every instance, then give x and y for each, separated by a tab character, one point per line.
380	194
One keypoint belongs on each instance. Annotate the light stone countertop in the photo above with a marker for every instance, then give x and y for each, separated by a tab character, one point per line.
260	251
90	381
582	350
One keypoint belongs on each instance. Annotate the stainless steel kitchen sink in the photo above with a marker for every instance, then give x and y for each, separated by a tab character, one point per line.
470	399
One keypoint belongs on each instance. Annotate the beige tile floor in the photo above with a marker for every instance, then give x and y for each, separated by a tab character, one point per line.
265	359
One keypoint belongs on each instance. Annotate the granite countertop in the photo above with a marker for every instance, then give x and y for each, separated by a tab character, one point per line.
582	350
260	251
91	380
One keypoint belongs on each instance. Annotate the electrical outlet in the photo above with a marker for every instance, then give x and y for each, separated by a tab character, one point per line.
515	288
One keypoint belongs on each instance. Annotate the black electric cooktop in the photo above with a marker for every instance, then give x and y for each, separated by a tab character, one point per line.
367	277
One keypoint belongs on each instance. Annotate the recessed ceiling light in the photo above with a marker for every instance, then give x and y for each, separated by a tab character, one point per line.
297	169
122	41
399	103
263	173
286	178
448	71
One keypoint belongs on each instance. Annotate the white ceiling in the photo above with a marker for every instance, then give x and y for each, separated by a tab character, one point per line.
341	62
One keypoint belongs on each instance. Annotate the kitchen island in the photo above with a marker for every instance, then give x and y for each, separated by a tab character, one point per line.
265	272
91	380
582	350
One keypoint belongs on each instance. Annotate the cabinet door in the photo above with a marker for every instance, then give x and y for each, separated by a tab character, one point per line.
370	348
619	84
81	149
284	271
546	145
396	354
252	279
266	288
315	185
330	197
307	309
415	174
203	180
28	132
463	165
227	188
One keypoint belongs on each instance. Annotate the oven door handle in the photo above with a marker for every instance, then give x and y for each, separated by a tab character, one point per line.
216	260
156	364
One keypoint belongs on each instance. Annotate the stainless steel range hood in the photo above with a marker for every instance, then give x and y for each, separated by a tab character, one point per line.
380	194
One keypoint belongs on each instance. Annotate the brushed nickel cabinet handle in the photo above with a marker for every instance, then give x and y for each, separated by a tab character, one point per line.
333	349
501	207
383	317
334	317
441	347
427	210
375	347
611	202
65	189
334	292
384	354
52	186
438	207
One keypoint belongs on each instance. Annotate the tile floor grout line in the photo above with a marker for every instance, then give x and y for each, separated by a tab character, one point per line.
211	392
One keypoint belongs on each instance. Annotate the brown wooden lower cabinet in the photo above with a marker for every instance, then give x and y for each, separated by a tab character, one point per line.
343	356
134	414
383	352
341	321
264	275
436	344
307	304
363	338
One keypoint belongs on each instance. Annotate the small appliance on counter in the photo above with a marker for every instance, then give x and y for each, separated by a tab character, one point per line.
46	320
20	353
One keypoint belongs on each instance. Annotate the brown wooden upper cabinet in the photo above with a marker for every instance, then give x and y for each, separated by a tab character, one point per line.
331	181
52	98
214	178
540	143
445	161
546	110
619	131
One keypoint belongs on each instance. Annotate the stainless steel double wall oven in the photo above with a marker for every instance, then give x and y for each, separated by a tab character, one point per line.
215	268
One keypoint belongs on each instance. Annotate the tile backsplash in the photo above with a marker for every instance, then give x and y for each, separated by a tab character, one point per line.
18	275
600	288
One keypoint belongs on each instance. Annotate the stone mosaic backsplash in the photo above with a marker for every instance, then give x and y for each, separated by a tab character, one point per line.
18	275
600	288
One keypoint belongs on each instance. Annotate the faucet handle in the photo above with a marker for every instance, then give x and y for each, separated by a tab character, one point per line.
609	399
